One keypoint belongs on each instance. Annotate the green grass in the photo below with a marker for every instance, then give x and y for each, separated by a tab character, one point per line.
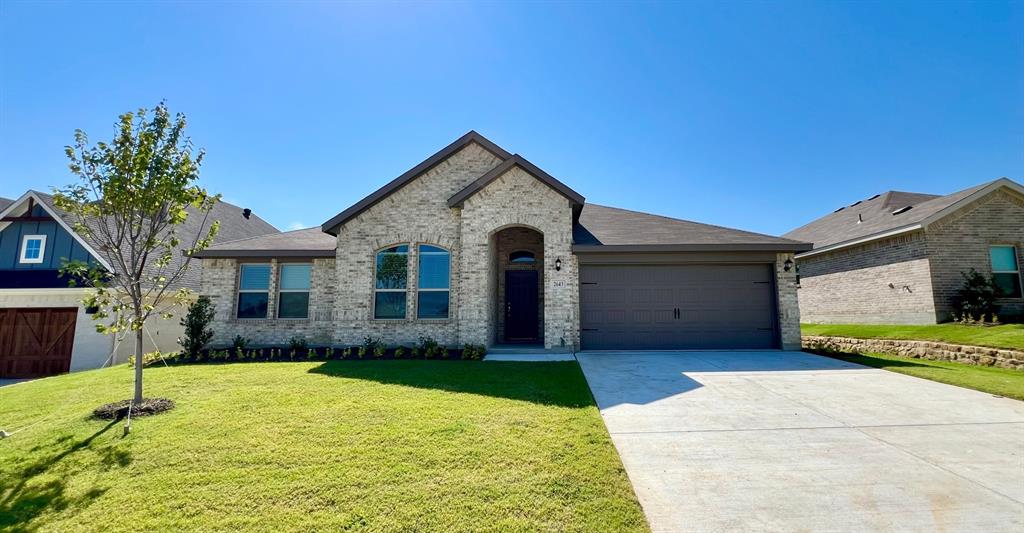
999	381
1009	336
343	445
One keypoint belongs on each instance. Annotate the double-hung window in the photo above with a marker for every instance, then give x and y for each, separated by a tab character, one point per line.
432	296
1005	270
33	247
253	290
293	294
391	280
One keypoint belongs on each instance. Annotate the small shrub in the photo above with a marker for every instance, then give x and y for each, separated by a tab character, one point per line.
415	352
361	352
197	332
150	359
378	351
474	352
329	353
976	299
239	342
431	348
346	353
400	352
312	354
297	342
239	354
293	355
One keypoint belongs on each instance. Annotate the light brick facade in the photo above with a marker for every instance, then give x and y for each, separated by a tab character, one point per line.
514	211
912	278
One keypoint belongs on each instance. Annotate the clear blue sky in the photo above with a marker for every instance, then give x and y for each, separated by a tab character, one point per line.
751	115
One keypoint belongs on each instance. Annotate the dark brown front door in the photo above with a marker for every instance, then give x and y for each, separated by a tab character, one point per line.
521	306
36	342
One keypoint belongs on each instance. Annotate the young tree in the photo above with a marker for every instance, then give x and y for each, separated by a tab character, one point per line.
131	199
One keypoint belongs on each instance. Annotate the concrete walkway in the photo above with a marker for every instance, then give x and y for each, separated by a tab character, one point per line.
788	441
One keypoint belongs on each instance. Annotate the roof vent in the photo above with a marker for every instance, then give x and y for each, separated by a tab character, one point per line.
873	197
903	210
247	213
840	209
855	203
860	218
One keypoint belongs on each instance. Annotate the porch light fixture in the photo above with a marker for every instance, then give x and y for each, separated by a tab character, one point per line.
788	265
558	264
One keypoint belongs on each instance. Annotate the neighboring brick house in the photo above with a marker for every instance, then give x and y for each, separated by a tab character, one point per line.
897	257
477	245
44	329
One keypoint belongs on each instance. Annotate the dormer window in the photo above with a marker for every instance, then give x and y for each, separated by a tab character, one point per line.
522	257
33	248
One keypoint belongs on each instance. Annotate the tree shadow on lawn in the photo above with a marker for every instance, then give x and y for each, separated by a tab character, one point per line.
548	383
21	502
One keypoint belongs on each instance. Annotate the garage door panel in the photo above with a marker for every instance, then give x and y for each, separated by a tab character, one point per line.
720	306
36	342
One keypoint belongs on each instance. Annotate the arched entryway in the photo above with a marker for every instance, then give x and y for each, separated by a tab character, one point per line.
519	269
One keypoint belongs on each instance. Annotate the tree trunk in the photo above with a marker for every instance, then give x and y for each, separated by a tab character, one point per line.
138	367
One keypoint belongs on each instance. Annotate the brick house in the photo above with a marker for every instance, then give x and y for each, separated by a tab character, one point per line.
477	245
897	257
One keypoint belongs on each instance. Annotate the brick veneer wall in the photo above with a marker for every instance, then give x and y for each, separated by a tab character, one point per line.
852	285
417	213
961	241
220	283
518	199
788	305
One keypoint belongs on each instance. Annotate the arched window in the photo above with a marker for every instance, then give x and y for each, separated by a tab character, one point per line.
522	257
434	279
391	282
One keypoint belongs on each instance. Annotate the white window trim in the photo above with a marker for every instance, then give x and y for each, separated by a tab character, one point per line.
24	248
406	290
240	290
307	290
419	279
1020	281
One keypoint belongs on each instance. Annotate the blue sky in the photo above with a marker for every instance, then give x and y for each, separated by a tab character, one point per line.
760	116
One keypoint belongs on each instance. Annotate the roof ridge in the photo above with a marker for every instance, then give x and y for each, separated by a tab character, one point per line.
262	236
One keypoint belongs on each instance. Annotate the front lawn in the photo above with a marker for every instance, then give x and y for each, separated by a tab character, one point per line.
341	445
999	381
1008	336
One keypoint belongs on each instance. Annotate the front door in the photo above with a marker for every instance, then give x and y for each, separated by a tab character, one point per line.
521	306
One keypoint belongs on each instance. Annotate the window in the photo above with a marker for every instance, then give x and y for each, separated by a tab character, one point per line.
391	282
1005	271
32	248
293	291
253	290
432	297
522	257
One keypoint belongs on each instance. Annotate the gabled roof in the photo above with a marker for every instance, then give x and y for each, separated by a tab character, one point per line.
4	202
234	225
609	229
309	242
517	161
331	226
888	214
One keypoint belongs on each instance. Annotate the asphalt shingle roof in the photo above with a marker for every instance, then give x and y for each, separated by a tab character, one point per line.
4	202
876	215
309	242
600	225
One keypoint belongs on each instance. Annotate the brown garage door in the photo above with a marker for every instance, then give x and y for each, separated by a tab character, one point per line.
649	307
36	342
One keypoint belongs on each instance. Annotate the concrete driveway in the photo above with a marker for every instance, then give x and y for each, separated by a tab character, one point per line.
788	441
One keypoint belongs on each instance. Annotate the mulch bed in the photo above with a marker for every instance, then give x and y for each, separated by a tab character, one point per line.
119	410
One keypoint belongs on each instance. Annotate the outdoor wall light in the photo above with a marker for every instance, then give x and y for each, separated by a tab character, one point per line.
558	264
788	265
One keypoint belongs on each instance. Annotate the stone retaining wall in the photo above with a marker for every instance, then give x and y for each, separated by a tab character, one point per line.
939	351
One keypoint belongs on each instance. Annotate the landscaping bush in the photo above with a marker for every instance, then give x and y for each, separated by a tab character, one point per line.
400	352
239	342
197	327
297	342
431	349
474	352
976	300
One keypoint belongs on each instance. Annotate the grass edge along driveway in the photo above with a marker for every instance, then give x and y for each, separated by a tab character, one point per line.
341	445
